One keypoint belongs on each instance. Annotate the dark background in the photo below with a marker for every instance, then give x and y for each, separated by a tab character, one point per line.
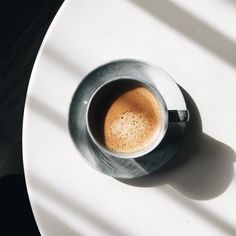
23	25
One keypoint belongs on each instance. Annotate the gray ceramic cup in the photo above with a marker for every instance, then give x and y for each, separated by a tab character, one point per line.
101	97
89	98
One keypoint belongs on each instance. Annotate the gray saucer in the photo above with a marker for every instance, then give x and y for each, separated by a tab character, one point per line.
126	167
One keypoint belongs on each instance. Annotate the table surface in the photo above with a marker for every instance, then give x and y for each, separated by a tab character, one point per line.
195	42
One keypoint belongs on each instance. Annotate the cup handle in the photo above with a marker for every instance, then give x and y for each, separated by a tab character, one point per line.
178	116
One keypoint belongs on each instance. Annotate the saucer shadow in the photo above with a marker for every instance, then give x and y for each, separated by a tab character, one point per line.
201	169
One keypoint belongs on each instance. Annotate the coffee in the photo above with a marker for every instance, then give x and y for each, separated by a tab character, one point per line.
132	120
125	116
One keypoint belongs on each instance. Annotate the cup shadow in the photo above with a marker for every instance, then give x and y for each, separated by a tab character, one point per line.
202	168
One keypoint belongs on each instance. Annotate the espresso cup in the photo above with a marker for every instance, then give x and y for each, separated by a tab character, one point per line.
127	118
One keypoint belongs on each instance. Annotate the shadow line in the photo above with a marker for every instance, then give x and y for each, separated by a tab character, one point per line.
233	2
60	59
219	223
192	27
47	112
62	200
53	225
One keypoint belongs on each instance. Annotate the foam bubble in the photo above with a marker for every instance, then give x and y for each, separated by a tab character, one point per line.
131	128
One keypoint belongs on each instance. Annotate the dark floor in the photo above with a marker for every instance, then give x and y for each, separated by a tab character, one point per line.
23	25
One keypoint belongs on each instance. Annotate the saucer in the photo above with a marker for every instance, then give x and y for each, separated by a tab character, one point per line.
126	167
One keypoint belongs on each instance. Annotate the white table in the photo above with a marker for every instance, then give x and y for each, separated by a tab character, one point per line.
195	42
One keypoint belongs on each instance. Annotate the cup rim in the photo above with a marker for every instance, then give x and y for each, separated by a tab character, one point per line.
154	143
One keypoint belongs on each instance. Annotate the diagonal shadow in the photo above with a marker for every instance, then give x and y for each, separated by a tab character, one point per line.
62	200
218	222
233	2
192	27
60	59
47	112
53	225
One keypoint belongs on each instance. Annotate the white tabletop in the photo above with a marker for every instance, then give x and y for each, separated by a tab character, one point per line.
195	42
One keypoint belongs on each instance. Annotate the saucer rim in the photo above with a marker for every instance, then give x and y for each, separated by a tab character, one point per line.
82	123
